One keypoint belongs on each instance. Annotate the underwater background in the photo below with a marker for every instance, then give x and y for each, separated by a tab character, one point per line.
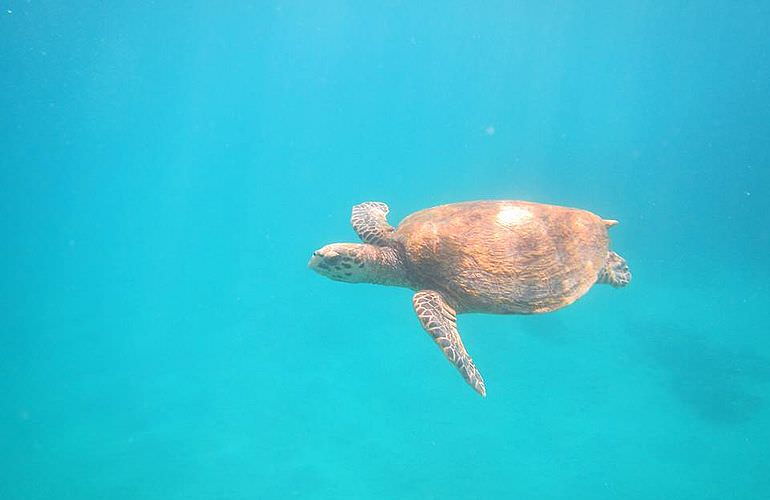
167	169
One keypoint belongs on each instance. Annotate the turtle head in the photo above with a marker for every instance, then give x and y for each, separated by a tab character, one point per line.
358	263
348	262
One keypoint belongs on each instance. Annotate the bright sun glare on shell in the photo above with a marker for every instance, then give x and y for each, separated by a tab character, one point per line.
511	216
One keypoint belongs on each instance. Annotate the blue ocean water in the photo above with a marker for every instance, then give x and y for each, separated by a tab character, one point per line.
167	168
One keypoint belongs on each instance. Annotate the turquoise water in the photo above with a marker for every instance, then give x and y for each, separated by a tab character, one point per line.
167	169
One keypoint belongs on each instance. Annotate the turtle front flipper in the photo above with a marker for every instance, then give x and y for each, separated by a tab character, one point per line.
370	222
439	320
615	271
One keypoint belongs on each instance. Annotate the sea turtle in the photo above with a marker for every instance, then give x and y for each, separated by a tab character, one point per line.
500	257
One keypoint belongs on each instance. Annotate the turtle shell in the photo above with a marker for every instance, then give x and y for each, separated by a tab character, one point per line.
504	256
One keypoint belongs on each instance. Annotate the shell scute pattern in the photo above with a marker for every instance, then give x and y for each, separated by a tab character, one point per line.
505	256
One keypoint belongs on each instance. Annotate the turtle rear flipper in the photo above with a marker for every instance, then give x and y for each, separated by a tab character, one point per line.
370	222
615	271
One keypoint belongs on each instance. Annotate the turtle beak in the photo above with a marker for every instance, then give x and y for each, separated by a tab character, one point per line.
325	261
314	260
321	255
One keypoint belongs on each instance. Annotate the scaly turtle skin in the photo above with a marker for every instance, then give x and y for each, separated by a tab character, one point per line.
500	257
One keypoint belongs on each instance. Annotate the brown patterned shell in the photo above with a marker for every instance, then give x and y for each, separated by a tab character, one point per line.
504	256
